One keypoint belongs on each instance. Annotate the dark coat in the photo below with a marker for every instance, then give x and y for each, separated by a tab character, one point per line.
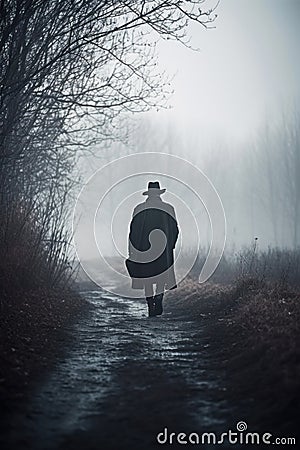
151	215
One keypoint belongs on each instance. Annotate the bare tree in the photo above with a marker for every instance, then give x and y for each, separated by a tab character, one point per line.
68	70
288	140
275	184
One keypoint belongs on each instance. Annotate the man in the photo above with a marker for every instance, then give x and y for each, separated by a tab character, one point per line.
152	238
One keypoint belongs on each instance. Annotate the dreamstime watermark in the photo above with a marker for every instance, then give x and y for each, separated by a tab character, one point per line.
112	192
239	436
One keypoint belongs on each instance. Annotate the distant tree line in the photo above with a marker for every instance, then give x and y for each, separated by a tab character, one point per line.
258	180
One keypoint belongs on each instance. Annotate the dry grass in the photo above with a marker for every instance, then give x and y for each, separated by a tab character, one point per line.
32	337
36	297
254	330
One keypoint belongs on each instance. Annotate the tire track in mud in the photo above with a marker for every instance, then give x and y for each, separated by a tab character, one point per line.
125	378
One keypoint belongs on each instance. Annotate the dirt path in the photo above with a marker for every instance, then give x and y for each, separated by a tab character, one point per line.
124	379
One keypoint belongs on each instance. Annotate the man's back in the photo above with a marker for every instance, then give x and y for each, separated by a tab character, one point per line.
152	239
151	215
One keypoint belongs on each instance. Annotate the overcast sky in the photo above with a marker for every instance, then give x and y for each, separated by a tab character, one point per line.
247	68
246	72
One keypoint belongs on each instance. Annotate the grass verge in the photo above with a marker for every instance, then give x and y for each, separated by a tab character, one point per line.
33	329
255	340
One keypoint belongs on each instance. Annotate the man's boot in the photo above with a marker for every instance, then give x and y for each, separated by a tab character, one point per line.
151	306
158	299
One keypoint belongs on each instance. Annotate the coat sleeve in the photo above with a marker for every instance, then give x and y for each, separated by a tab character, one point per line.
173	228
130	249
134	231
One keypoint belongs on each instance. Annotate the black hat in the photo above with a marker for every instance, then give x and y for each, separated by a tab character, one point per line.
154	188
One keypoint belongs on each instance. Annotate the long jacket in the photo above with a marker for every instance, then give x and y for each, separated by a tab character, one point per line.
151	253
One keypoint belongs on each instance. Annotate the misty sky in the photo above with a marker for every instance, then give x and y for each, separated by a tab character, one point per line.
246	73
247	68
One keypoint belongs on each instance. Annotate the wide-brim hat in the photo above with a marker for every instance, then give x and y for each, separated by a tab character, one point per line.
154	188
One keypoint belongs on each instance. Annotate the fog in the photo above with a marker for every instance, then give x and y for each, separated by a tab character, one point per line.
246	69
235	114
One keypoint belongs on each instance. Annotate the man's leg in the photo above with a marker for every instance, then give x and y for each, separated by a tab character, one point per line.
149	298
158	299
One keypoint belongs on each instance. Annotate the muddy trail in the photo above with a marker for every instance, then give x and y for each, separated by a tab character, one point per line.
124	379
